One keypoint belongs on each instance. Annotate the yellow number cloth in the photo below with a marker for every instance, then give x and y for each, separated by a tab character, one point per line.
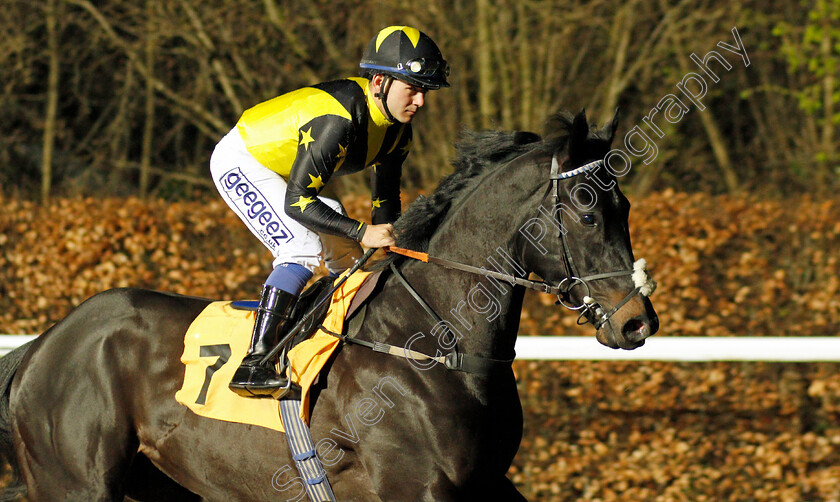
220	326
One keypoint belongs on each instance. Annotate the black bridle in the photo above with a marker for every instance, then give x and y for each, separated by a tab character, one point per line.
590	310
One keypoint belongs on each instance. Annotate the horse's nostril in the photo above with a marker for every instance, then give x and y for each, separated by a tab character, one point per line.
632	325
635	330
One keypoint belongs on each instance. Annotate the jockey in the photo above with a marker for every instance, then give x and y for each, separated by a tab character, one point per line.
271	168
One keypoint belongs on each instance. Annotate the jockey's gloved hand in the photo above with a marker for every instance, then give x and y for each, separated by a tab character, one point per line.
378	236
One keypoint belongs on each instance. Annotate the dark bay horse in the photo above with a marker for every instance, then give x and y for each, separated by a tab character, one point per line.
90	412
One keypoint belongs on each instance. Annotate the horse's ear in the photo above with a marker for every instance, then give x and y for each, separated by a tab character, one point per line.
577	138
579	125
612	126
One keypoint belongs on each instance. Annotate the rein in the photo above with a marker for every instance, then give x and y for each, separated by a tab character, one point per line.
457	361
540	286
561	290
644	284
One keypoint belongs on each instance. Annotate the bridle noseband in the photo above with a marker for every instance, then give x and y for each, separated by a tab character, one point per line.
590	309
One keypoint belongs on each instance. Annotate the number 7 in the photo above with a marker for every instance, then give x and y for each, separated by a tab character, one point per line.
222	351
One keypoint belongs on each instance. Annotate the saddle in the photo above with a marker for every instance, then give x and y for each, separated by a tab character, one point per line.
219	337
309	298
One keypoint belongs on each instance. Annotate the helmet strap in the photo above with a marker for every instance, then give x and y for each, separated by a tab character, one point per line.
387	80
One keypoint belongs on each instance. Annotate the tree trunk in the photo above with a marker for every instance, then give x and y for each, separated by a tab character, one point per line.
281	22
525	77
503	68
620	33
715	137
486	85
52	102
149	125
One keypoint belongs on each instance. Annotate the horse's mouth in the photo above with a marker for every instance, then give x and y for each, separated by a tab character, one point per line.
633	334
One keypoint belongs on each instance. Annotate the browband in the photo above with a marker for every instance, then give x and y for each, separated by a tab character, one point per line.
557	175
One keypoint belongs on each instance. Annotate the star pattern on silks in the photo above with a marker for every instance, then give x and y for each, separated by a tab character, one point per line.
342	154
317	182
303	202
306	138
377	203
406	148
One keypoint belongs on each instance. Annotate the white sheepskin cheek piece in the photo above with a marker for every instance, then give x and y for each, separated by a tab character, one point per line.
641	278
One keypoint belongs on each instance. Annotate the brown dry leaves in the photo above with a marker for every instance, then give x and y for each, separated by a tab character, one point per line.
662	431
52	258
604	431
730	266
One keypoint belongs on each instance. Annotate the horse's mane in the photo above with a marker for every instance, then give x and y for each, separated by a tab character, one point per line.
478	153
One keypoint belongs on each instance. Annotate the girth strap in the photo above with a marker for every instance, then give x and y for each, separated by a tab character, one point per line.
303	452
455	361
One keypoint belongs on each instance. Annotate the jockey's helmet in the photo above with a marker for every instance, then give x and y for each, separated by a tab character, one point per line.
407	54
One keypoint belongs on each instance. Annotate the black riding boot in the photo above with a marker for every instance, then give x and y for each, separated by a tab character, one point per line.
252	379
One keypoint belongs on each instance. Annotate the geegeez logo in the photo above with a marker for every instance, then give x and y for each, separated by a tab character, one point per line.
254	208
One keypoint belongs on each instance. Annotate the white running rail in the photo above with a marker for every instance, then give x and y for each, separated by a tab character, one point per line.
657	348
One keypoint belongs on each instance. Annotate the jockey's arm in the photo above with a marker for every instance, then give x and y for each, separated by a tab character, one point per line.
316	161
385	183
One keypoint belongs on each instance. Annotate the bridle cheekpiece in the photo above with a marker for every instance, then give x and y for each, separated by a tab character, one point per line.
644	285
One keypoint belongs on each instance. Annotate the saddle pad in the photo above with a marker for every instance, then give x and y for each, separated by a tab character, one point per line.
218	340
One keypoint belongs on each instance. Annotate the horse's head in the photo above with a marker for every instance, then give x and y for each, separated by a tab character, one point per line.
581	242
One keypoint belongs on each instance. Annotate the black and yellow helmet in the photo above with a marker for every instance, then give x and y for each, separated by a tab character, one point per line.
407	54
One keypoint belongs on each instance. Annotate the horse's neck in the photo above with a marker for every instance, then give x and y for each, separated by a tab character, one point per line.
481	231
483	315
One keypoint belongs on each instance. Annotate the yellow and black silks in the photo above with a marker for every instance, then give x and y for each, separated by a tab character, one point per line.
332	128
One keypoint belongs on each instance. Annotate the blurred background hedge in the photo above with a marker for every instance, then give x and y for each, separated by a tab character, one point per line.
128	98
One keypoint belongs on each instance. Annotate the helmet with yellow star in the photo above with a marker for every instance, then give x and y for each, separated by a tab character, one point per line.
407	54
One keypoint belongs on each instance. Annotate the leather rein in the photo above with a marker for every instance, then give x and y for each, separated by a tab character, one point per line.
589	308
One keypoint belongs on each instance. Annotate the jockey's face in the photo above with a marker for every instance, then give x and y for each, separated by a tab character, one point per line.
404	99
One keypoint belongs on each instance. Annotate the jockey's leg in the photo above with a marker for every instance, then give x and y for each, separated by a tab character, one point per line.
340	253
277	302
256	194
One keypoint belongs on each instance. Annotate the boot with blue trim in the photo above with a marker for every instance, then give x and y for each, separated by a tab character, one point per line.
252	379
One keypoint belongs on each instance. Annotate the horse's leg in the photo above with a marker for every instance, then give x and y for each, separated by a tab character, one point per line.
407	439
78	451
71	405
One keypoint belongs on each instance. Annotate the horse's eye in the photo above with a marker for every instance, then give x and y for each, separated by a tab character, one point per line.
588	219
